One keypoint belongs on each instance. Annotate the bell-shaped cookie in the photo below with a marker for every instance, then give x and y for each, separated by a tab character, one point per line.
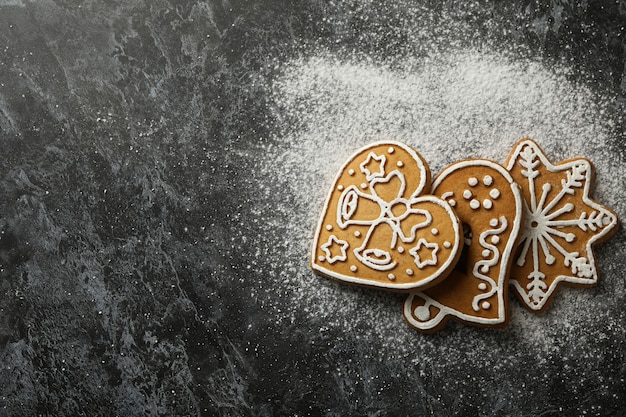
488	203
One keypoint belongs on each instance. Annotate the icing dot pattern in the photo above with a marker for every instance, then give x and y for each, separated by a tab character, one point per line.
469	195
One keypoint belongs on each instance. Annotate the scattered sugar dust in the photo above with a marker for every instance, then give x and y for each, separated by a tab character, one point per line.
453	106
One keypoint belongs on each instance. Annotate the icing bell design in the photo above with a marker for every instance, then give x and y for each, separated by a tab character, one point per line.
379	227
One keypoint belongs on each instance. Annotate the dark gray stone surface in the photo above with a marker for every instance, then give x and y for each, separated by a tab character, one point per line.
128	217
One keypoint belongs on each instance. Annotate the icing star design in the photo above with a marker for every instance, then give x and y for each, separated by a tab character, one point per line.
562	222
373	166
329	248
423	247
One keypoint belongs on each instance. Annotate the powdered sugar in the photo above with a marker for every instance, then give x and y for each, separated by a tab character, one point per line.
453	106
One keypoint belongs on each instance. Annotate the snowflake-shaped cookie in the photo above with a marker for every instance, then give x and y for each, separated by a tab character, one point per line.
562	223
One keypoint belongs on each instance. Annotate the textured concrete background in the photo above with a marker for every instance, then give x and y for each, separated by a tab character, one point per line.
137	273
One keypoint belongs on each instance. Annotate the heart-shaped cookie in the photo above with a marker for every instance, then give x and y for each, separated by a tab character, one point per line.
489	205
377	228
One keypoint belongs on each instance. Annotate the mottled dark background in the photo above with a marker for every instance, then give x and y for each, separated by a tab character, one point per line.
127	134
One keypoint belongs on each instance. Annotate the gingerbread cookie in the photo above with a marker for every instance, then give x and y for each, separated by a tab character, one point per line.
489	204
378	229
562	224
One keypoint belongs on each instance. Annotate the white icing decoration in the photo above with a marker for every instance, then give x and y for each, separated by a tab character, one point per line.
357	233
409	272
390	150
434	231
364	185
494	193
380	180
376	162
481	268
391	277
321	258
340	187
400	164
474	204
422	312
353	268
486	305
400	249
347	207
467	194
351	172
487	180
329	227
427	260
420	317
482	286
448	197
488	204
495	240
447	244
334	242
547	214
473	181
377	259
